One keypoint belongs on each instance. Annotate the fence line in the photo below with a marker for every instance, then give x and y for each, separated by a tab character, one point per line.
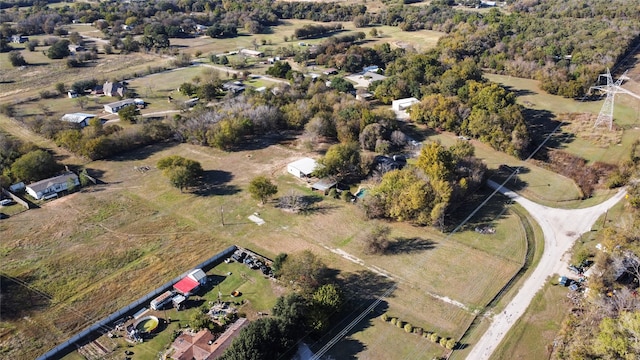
93	332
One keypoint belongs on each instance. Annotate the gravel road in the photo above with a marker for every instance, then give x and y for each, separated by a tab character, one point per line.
561	228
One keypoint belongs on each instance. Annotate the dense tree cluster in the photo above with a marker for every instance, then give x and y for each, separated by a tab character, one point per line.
315	30
23	161
425	193
97	141
563	44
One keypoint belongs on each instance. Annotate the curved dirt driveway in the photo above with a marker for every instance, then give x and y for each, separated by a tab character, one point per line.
561	228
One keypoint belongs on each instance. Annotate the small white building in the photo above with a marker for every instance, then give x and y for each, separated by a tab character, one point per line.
114	107
403	104
252	53
302	168
81	119
162	300
51	187
199	276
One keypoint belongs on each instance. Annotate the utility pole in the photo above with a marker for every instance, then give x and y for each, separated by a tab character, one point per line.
222	215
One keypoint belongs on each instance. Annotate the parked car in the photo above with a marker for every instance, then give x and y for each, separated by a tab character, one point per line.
574	269
265	269
6	202
238	256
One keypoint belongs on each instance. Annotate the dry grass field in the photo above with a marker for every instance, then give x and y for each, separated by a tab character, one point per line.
111	243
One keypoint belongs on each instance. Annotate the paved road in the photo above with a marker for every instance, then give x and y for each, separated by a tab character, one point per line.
561	228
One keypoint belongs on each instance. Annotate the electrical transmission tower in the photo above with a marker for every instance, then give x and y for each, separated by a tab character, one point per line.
606	113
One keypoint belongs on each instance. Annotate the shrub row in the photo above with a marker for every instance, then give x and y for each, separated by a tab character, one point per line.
447	343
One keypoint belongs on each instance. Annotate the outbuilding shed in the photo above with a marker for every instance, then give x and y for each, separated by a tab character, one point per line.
403	104
81	119
186	286
302	168
324	185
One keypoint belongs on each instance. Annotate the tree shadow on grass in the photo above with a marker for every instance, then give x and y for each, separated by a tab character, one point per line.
19	301
493	211
348	347
142	153
214	182
404	245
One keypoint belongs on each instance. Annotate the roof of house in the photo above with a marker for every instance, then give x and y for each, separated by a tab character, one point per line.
324	185
47	183
304	165
189	346
197	275
203	344
120	103
77	117
223	342
186	285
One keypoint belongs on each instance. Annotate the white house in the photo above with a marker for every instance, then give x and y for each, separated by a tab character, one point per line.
302	168
403	104
114	107
51	187
81	119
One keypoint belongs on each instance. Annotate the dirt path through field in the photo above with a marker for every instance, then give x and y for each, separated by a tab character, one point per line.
560	228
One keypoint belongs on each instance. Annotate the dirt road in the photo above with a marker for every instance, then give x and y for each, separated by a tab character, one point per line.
561	228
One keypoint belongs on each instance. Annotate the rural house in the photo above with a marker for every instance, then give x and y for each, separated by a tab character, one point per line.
113	89
49	188
114	107
302	168
203	345
81	119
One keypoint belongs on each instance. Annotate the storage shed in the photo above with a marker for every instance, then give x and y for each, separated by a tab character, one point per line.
302	168
403	104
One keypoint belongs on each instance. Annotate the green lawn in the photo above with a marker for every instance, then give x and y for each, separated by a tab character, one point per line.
625	115
536	329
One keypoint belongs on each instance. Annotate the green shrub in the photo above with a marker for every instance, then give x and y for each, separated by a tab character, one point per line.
384	317
333	193
394	321
443	342
434	338
426	335
408	328
450	344
345	196
400	324
418	331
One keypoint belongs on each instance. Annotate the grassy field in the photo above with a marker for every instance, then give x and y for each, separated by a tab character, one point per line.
626	115
537	328
114	247
419	40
